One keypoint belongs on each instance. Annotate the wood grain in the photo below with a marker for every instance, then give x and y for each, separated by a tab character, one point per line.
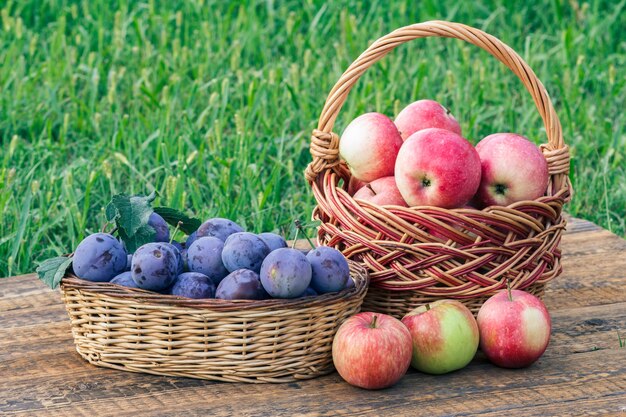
583	372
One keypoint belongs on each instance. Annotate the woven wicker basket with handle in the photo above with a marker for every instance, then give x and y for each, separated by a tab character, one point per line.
275	340
419	254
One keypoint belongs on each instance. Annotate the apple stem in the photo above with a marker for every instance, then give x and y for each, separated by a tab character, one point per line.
427	307
508	288
373	323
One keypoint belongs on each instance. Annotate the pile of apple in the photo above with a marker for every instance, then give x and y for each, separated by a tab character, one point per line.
374	351
421	159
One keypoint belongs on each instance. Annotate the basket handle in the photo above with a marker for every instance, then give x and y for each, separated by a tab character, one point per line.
325	143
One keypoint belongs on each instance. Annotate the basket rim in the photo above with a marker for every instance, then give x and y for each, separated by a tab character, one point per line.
144	297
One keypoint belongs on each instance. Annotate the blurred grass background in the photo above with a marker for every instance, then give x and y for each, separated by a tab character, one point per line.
211	103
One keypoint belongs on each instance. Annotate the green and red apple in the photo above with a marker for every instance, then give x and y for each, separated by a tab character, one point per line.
444	335
370	145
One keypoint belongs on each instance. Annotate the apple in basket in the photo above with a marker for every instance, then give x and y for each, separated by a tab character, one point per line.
444	334
514	328
382	191
372	350
369	145
513	169
424	114
437	167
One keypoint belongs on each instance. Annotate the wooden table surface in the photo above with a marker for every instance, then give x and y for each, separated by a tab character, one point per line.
583	372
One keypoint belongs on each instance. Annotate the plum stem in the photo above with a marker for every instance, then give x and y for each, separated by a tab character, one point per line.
295	238
104	228
175	230
373	323
508	289
427	307
301	228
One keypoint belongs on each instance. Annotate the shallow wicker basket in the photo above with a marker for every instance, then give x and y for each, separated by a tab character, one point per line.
239	341
419	254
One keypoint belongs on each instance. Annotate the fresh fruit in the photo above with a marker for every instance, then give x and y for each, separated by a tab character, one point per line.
436	167
177	245
372	350
369	145
355	185
205	256
154	266
309	292
179	256
273	241
349	283
514	328
99	257
513	169
382	191
424	114
219	228
162	231
330	270
242	284
125	279
444	334
244	250
193	285
190	239
286	273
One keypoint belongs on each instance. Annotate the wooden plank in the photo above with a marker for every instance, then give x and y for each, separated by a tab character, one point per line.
477	388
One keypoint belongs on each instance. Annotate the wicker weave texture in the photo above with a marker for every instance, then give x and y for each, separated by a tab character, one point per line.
428	253
237	341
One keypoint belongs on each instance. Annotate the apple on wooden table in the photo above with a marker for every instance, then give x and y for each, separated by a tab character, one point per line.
444	335
372	350
514	328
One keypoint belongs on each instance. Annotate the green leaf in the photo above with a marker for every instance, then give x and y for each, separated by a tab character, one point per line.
111	212
131	215
130	212
173	217
145	234
51	271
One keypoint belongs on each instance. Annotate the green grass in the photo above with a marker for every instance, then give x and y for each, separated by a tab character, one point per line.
211	103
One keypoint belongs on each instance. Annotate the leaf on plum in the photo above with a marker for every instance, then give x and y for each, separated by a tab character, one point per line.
173	217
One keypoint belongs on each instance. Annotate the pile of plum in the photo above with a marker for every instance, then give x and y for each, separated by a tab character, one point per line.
219	260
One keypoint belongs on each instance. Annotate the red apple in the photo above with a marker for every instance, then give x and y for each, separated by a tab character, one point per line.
514	328
370	145
513	169
382	191
436	167
424	114
355	185
445	336
372	350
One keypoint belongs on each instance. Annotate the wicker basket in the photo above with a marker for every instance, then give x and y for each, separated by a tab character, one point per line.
418	254
239	341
